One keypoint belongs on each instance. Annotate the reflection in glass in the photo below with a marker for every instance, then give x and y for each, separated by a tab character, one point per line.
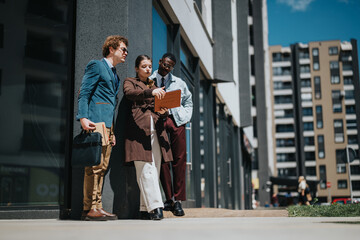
32	104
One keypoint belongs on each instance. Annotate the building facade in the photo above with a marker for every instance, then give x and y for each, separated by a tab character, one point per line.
315	99
45	46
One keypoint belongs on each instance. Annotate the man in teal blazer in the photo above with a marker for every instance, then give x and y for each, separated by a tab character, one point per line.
97	102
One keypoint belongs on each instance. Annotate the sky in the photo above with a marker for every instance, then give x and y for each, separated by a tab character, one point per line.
292	21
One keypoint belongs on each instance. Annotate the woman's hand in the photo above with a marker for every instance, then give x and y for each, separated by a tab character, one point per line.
163	111
159	92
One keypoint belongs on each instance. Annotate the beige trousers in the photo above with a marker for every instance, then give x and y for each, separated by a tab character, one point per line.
94	179
147	176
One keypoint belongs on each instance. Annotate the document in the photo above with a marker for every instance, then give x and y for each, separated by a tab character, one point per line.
101	128
172	99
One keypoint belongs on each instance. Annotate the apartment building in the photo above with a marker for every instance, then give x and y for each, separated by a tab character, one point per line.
316	104
45	46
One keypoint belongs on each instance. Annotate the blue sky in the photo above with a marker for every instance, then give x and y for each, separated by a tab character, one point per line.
292	21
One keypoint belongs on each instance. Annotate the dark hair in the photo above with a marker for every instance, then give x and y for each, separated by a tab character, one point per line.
114	42
140	58
170	56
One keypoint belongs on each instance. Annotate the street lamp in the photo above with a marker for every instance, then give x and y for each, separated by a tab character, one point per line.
350	157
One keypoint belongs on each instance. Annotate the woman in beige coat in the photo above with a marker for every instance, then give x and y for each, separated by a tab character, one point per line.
146	142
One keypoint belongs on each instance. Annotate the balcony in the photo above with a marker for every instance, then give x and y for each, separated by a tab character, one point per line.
285	149
305	75
283	92
286	165
347	73
285	135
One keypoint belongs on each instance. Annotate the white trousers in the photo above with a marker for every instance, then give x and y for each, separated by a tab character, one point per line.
147	175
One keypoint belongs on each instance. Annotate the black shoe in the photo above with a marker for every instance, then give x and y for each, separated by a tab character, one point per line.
157	214
168	205
145	215
177	209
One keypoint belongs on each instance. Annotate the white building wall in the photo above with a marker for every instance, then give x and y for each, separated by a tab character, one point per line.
267	89
230	91
194	31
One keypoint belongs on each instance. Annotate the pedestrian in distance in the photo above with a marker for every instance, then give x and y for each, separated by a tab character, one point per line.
146	141
97	102
302	189
173	179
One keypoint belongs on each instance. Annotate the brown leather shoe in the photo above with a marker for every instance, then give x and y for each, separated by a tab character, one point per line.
95	215
84	213
109	216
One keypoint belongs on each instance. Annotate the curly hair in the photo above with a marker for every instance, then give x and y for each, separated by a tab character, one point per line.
114	42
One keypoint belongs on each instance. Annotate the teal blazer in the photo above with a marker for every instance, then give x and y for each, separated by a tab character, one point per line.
98	94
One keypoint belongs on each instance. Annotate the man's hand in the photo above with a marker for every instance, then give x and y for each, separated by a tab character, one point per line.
112	140
86	124
163	111
159	92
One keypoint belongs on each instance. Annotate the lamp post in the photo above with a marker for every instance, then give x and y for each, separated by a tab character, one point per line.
349	172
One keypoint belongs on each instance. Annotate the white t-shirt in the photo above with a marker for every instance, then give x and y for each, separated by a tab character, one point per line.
302	186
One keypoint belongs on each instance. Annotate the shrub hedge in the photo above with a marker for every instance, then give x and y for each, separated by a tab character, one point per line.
334	210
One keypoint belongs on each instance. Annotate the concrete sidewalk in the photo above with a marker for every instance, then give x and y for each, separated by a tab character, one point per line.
249	228
221	212
203	223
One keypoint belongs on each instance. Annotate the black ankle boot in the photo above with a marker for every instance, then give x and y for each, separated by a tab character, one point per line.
157	214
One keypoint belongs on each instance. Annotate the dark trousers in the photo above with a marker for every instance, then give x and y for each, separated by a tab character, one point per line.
176	186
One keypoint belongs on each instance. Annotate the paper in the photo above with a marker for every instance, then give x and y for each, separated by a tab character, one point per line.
172	99
101	128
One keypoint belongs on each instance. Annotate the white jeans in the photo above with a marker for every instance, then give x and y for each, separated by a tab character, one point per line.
147	175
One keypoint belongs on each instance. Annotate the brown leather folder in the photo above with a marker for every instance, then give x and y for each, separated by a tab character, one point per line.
172	99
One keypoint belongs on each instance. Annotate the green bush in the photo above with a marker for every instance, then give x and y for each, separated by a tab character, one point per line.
334	210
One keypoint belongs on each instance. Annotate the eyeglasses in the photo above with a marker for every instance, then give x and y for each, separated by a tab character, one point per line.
124	50
168	66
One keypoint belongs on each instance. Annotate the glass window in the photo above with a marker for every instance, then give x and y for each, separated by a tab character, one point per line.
352	139
286	172
335	79
349	94
338	130
309	156
1	35
305	83
284	128
308	126
336	100
307	111
285	142
351	124
342	184
347	66
309	141
159	38
348	81
317	83
283	99
315	52
355	169
304	68
32	158
334	65
333	50
319	117
310	171
316	66
350	109
321	146
285	157
322	171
